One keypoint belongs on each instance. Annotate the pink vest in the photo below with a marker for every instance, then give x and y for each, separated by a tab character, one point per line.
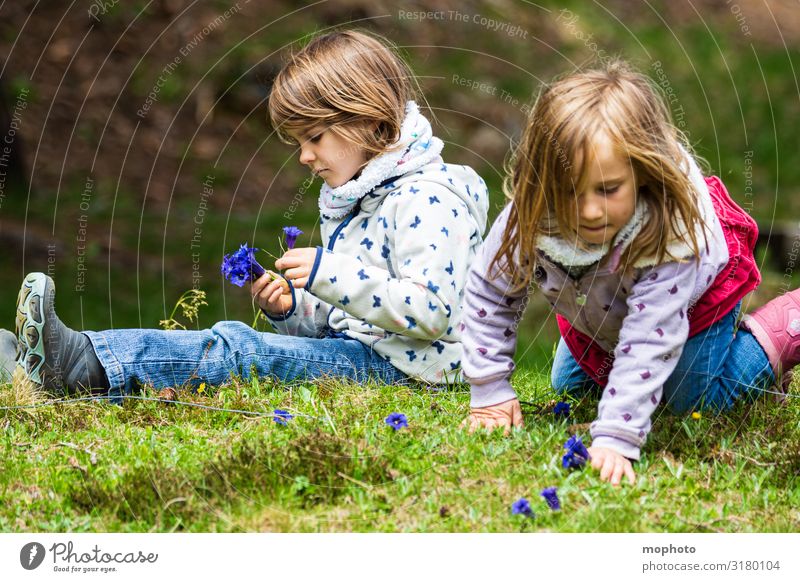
738	278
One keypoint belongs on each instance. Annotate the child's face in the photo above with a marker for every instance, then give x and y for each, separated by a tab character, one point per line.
330	156
608	199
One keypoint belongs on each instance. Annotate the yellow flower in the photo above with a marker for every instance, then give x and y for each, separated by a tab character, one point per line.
696	415
201	388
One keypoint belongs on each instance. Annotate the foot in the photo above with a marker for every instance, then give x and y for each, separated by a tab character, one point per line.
776	326
8	350
54	357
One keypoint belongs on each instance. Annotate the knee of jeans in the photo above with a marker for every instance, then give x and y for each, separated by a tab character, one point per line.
228	329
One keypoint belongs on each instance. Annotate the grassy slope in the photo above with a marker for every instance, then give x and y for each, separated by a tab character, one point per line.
150	466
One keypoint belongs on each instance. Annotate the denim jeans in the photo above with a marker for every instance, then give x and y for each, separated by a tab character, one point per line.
716	369
176	358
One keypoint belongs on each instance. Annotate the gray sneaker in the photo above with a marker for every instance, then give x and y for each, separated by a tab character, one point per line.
54	357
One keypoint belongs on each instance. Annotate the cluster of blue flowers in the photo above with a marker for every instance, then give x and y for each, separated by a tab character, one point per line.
242	267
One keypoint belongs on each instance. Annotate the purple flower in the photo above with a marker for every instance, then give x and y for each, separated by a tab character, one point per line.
522	507
561	410
549	494
241	266
281	416
576	455
396	420
291	233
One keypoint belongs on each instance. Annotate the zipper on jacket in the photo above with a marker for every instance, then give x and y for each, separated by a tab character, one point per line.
331	242
344	223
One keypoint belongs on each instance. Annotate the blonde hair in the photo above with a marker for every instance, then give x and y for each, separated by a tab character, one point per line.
541	181
350	82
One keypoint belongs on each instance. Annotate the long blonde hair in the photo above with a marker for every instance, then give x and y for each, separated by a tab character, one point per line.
350	82
541	177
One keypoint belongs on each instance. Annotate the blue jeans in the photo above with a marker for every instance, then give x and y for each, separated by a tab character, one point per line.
177	358
715	370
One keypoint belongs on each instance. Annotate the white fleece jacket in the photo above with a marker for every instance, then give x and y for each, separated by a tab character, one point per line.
391	272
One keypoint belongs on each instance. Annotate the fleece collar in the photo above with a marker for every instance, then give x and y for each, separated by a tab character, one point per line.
415	148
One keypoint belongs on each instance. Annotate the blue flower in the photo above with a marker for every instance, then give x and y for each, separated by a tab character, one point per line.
376	301
241	266
281	416
416	222
385	252
576	455
561	410
449	269
367	243
362	275
549	494
412	323
396	420
522	507
433	199
291	233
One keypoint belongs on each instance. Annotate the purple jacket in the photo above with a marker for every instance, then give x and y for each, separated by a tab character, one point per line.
641	318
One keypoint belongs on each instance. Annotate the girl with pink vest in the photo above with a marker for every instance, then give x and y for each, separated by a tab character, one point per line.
644	260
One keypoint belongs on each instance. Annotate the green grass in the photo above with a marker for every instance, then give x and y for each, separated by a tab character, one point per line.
153	466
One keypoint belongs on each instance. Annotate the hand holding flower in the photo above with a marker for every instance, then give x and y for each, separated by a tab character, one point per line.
297	265
271	292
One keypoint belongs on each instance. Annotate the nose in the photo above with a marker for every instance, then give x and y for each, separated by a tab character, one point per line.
591	209
306	155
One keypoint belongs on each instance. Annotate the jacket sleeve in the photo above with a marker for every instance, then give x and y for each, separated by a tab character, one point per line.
307	317
491	313
427	250
650	343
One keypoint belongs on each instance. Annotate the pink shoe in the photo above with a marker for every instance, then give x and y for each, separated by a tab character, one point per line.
776	326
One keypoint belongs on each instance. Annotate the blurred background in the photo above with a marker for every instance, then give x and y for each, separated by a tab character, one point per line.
136	151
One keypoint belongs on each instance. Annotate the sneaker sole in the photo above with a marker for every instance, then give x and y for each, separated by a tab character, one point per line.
30	325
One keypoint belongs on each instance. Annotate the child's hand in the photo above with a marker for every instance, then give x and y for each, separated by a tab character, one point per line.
272	293
298	264
503	415
612	465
